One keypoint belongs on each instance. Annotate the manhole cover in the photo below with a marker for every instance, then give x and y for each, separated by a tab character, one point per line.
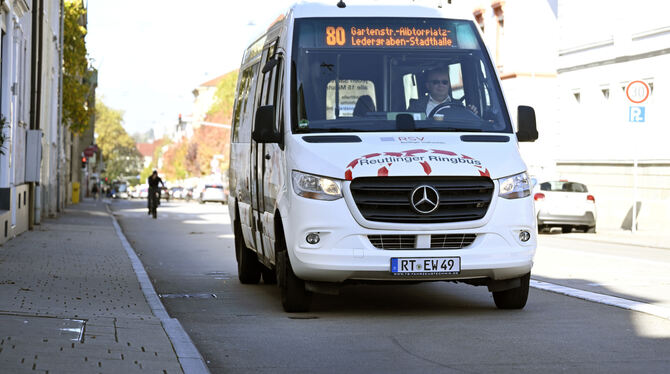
73	329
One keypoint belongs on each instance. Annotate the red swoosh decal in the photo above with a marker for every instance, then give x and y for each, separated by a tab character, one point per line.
448	153
426	167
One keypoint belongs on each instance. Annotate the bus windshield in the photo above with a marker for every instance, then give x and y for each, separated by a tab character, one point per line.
393	74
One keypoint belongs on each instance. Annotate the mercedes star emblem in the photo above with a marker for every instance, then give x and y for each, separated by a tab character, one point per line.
425	199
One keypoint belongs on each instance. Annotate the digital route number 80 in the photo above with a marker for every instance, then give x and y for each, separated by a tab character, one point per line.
335	35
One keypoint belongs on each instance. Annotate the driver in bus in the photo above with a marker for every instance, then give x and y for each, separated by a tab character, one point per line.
439	92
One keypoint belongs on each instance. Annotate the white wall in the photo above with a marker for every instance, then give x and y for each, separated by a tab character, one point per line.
603	46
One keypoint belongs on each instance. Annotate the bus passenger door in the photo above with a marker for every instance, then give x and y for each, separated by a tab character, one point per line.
261	166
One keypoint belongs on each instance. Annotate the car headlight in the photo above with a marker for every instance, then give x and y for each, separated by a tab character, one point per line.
515	187
315	187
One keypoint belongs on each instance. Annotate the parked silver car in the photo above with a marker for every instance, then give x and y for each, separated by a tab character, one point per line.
564	204
213	192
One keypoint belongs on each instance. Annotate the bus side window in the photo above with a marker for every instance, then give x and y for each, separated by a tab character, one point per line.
271	88
246	106
242	93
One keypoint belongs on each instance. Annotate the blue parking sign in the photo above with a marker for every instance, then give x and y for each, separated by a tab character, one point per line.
636	114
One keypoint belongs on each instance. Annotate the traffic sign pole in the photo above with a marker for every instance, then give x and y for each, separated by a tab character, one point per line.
637	92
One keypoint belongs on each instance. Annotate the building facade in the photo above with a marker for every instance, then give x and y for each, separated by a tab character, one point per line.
15	111
609	139
37	149
573	62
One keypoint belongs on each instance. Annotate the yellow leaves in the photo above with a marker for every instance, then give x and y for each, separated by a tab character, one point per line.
118	148
224	96
75	68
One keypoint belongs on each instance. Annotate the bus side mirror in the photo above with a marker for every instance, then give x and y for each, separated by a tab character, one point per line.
527	126
269	65
264	127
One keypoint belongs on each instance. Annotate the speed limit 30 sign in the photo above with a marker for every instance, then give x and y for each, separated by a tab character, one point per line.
637	92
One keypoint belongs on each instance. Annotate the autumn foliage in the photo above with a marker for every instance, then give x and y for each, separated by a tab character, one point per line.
193	157
76	89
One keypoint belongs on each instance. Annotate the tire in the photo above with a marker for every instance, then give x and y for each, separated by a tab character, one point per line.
248	267
269	275
294	297
154	212
514	298
566	229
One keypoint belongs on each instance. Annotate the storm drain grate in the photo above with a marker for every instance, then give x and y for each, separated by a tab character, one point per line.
188	296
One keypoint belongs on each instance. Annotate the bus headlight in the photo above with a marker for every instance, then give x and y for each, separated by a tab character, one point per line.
316	187
515	187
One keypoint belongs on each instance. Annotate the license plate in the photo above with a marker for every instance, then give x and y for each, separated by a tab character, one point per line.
425	265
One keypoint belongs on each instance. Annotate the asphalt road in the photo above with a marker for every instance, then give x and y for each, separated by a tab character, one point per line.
433	327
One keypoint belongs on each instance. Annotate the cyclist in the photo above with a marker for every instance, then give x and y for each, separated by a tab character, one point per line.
153	182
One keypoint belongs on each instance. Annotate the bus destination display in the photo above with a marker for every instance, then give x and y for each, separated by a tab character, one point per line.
379	36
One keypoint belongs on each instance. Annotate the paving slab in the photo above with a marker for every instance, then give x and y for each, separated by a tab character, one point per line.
70	301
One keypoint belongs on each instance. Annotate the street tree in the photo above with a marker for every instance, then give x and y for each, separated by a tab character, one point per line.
174	161
211	141
224	97
214	142
76	87
121	157
193	157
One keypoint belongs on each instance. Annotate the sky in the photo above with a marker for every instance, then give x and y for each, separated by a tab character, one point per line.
151	54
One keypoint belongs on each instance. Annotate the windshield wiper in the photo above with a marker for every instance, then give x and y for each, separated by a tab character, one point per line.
335	129
448	129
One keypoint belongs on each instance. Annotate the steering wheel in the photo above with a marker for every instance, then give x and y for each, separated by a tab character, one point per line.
455	109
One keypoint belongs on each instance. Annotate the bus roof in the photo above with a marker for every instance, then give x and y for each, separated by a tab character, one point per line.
377	9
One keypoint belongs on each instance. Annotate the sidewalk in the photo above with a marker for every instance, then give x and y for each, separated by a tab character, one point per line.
70	302
651	239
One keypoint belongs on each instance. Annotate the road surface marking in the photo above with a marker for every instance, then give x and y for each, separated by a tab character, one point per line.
603	299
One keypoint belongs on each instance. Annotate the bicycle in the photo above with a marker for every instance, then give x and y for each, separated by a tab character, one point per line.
154	201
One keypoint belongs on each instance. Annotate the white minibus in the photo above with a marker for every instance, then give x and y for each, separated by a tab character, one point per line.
373	144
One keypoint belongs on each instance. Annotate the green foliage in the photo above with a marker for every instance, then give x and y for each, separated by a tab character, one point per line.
146	172
158	151
224	97
121	157
75	69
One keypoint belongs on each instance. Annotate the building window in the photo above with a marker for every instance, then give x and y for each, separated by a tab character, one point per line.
605	92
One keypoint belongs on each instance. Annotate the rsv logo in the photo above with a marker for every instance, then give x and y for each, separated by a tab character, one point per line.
411	139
